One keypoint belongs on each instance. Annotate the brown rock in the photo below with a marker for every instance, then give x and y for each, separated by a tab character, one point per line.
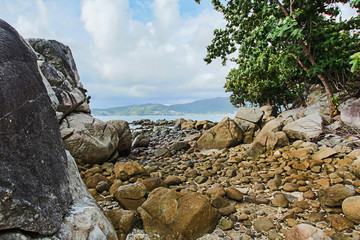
351	208
122	220
335	195
152	183
280	200
340	223
290	187
125	170
225	134
172	180
131	196
225	211
92	181
219	191
263	224
171	215
323	153
234	194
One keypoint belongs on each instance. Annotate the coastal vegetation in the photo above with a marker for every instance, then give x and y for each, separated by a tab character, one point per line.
280	47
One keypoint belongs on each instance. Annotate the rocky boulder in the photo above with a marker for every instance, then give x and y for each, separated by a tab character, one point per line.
248	129
351	208
34	189
59	69
124	133
225	134
88	139
250	114
308	128
350	114
269	137
167	214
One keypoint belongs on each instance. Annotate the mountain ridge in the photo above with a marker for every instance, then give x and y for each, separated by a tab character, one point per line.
218	105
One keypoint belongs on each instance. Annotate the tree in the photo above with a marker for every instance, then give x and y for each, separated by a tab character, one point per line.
281	46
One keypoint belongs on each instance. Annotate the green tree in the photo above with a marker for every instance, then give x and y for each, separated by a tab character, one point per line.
280	46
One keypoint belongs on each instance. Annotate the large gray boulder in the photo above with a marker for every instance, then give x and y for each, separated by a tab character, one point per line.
59	69
308	128
88	139
124	133
250	114
350	114
225	134
34	186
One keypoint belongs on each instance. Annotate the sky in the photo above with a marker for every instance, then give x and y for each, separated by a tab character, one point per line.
131	52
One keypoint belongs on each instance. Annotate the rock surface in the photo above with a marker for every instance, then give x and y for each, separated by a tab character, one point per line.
31	150
249	114
125	138
350	114
89	140
225	134
59	69
171	215
307	128
351	208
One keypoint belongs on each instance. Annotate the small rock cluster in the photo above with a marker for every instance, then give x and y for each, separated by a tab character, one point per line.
171	188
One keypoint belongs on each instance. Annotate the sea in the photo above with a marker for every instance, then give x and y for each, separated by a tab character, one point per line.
129	119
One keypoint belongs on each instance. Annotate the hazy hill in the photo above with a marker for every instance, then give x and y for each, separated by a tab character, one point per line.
208	106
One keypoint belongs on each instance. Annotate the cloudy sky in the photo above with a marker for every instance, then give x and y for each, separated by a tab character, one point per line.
130	51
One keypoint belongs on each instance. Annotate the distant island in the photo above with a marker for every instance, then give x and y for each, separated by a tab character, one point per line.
219	105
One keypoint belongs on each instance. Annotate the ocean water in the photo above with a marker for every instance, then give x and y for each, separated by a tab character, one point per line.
213	118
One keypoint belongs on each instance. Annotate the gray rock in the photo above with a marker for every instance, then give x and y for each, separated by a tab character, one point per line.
350	114
250	114
305	231
34	189
59	69
88	139
141	141
124	133
308	128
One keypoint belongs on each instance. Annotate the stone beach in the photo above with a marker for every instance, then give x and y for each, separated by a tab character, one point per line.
257	198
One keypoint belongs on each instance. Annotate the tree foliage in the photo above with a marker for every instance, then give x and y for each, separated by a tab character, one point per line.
279	46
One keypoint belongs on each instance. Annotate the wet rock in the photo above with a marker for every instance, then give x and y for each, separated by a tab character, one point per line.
225	134
351	208
171	215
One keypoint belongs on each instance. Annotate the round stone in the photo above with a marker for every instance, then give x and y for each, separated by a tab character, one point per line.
351	208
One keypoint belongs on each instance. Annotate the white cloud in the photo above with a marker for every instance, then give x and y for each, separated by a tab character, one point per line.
157	59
